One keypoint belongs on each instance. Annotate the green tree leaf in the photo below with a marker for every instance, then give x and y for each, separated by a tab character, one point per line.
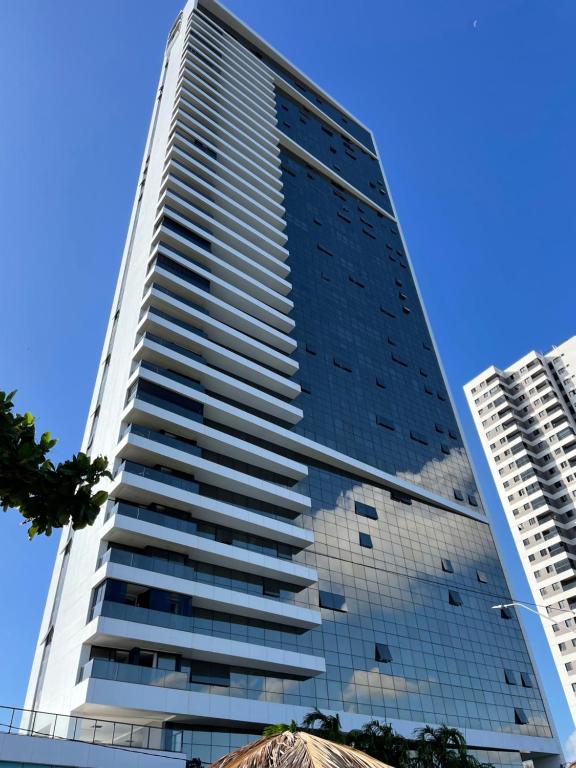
46	496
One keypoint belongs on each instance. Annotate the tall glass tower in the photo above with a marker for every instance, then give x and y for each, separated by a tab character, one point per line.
293	520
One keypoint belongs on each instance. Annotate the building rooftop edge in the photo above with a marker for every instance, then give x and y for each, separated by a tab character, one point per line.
517	363
230	18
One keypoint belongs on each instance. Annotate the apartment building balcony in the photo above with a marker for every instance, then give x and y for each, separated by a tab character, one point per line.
144	486
118	632
189	286
189	338
268	556
159	352
177	253
192	314
141	446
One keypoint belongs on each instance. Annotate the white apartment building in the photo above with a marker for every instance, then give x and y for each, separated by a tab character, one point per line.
526	418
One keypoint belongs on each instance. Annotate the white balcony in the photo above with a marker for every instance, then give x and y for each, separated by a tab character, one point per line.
262	204
217	382
266	288
121	528
266	250
228	312
221	333
218	356
212	597
142	490
259	261
120	634
146	414
146	450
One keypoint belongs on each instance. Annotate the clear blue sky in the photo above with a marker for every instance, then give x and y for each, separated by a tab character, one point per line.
475	124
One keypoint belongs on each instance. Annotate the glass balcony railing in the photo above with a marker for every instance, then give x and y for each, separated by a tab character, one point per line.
131	673
112	610
186	380
159	475
204	530
174	347
147	397
160	437
26	722
186	326
177	297
202	573
210	623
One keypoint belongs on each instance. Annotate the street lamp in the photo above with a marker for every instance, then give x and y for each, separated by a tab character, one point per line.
569	611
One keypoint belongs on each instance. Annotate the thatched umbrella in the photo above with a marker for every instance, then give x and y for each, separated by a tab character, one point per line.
296	750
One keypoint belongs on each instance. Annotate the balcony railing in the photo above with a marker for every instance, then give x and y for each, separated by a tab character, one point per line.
271	549
27	722
159	476
207	623
202	573
160	437
131	673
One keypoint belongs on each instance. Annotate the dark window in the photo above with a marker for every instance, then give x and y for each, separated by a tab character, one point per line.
332	601
400	361
520	716
481	576
510	677
271	589
447	565
458	494
403	498
365	540
506	613
418	437
365	510
187	234
445	449
526	679
452	434
382	653
210	674
310	348
472	500
382	421
454	597
380	382
387	312
324	249
439	428
343	364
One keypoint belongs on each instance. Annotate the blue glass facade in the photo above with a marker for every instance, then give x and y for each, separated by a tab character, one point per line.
372	386
348	159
